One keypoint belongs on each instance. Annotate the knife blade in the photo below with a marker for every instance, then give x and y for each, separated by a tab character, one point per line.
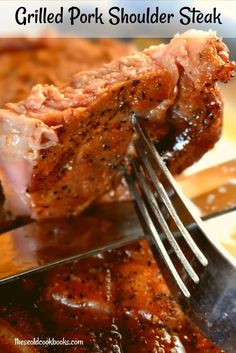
216	200
212	190
205	180
36	247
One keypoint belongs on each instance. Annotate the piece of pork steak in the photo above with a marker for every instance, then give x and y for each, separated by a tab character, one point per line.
61	148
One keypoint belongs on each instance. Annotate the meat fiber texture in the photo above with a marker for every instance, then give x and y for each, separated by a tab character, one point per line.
61	147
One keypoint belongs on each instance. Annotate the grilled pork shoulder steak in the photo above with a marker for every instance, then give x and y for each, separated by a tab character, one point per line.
61	147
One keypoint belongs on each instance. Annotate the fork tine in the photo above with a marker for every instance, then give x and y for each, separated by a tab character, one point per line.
141	146
165	198
161	220
143	212
172	185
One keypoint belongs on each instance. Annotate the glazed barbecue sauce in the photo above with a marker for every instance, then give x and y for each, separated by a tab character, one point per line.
114	302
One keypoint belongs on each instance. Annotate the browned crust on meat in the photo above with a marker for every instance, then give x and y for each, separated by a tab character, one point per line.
190	128
105	128
91	117
195	119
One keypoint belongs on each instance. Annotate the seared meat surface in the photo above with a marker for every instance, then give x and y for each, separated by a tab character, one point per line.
67	144
114	302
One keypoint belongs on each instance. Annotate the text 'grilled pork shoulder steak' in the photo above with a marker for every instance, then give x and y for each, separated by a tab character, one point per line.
61	147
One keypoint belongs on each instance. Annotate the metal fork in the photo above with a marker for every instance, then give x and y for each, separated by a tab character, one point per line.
200	275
